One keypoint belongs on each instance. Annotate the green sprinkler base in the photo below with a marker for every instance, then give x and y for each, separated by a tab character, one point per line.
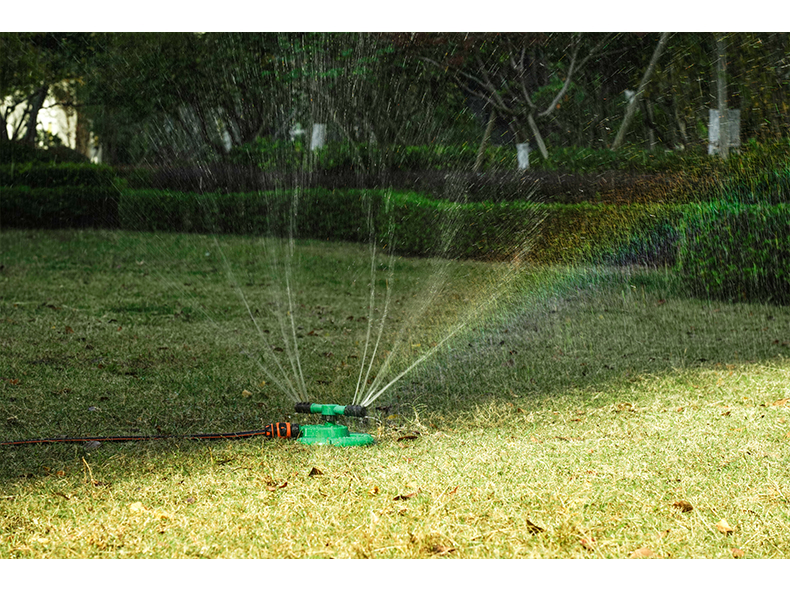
330	434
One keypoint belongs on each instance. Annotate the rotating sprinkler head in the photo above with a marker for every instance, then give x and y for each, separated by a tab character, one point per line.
329	432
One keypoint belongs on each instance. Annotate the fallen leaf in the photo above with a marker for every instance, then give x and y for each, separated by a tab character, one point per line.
68	330
404	496
780	402
737	553
588	544
137	508
407	437
315	471
441	550
246	394
683	506
534	528
641	553
724	528
374	490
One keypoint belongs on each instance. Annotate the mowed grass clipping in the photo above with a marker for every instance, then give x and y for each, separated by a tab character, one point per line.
599	414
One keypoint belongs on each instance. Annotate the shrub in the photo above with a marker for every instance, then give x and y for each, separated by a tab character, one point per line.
767	186
57	175
420	226
282	156
320	214
47	195
58	207
736	252
21	152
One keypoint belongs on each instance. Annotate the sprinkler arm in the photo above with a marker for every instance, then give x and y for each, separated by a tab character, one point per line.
330	411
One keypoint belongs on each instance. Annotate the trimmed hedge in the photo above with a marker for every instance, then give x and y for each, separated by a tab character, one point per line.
633	233
768	187
287	157
33	174
58	195
24	152
736	252
327	215
58	207
421	226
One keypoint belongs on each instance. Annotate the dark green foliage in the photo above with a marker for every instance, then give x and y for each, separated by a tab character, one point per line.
606	232
490	231
57	175
736	252
319	214
419	226
58	207
278	155
48	195
769	186
653	242
586	160
24	152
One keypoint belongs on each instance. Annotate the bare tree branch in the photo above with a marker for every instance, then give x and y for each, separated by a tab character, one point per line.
630	110
571	71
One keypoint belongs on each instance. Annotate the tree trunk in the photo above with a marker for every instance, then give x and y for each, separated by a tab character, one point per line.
484	142
36	102
631	109
538	138
721	95
3	129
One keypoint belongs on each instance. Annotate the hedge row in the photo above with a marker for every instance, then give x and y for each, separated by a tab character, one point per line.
277	155
734	251
725	250
58	207
32	174
615	187
421	226
50	195
24	152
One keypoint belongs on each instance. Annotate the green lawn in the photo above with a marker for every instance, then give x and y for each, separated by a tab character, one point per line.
593	412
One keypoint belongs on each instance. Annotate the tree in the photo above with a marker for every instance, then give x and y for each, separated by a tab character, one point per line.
721	95
522	76
30	64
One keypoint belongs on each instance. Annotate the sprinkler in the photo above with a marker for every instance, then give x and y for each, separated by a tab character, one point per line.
329	432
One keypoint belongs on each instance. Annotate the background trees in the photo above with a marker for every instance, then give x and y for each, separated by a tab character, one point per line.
164	97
